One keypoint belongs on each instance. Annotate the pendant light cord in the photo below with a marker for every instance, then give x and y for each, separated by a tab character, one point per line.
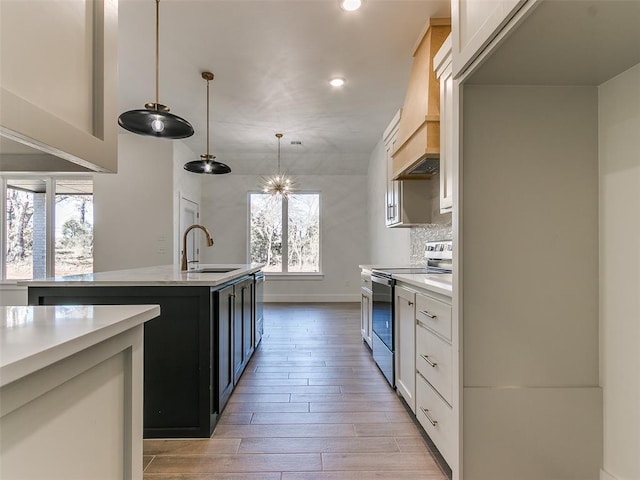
157	52
207	120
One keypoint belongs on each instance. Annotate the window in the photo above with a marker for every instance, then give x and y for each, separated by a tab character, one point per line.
49	227
74	227
297	239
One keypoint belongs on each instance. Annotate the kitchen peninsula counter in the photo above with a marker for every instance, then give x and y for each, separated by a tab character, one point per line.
195	351
71	390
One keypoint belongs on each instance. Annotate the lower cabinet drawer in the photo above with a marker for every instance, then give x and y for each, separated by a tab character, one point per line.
434	358
434	314
436	417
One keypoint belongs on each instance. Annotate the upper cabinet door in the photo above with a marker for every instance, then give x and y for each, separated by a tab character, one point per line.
474	23
448	126
58	79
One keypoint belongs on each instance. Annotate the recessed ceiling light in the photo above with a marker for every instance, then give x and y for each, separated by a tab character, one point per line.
336	82
350	5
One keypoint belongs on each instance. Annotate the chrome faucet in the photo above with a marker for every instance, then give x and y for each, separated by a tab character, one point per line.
184	264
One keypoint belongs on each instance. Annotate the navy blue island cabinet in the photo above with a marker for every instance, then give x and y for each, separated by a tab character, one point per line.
194	352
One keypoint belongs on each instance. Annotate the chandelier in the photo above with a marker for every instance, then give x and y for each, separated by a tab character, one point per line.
279	184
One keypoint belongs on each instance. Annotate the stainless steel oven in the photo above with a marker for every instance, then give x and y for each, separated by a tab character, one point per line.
382	319
438	256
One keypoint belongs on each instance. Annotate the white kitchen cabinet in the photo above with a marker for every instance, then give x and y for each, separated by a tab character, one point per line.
366	319
405	314
434	358
434	314
435	372
448	126
436	417
392	199
474	24
407	202
58	82
427	366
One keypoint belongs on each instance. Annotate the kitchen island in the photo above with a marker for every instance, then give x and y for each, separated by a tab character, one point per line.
195	351
71	391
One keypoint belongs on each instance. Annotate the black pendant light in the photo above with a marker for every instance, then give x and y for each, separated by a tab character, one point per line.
207	163
155	120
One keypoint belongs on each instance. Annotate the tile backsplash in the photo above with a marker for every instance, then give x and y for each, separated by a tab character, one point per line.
419	236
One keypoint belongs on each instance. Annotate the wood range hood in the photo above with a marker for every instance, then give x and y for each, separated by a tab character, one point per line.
419	128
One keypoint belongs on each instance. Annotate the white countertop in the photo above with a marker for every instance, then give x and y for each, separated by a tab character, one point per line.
162	275
32	338
439	283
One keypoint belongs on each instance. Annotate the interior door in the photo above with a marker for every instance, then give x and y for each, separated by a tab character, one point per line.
189	215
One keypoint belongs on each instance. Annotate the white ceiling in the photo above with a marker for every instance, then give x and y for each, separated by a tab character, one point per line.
272	61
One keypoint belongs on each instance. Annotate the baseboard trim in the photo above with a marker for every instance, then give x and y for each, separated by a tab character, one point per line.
306	298
606	476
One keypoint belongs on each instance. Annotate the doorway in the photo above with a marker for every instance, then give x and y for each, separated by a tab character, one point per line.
189	215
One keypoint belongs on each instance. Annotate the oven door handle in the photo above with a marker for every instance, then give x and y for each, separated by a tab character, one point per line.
383	280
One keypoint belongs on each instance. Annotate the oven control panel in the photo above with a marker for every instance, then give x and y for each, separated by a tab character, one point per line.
439	250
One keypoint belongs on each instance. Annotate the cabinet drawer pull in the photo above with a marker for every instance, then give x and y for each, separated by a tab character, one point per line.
426	359
426	414
430	315
410	303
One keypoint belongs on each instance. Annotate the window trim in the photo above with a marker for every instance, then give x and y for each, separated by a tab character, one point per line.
3	222
50	222
286	275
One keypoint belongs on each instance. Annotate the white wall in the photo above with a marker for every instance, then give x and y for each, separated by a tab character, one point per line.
619	152
388	245
133	225
532	404
343	232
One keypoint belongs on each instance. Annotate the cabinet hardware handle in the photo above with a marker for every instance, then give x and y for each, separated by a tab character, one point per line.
410	303
430	315
426	359
426	414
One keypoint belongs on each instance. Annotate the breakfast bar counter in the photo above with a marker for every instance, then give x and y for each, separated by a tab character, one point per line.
71	391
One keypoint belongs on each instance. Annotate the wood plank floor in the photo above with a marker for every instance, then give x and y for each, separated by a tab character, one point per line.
311	405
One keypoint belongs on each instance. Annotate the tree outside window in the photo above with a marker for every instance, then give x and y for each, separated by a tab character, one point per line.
19	231
74	234
36	247
297	240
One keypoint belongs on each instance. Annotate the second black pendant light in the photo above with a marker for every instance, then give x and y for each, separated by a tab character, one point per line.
155	120
207	163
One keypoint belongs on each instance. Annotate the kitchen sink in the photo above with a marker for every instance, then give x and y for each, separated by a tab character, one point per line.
215	269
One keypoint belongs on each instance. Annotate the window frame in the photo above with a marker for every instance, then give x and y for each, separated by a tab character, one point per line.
286	275
50	222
